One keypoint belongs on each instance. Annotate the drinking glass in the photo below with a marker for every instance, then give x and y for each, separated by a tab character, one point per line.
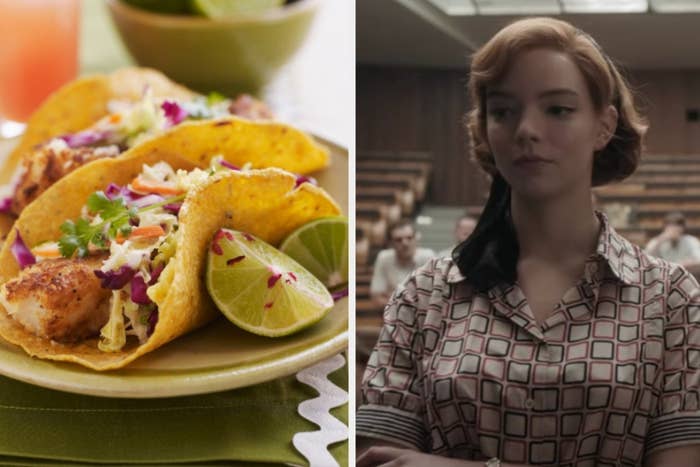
38	53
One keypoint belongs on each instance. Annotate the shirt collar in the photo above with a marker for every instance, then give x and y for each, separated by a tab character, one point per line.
622	258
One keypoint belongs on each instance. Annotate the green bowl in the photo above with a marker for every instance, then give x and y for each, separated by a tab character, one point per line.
230	55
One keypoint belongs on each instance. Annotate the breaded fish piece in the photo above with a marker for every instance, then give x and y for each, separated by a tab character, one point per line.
58	299
43	167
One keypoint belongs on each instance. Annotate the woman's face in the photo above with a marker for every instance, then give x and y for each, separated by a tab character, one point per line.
542	127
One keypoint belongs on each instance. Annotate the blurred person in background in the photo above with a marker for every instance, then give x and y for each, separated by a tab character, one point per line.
547	338
394	264
674	245
463	229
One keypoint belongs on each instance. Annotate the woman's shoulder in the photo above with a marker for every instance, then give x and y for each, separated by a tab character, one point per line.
650	264
647	270
436	268
436	274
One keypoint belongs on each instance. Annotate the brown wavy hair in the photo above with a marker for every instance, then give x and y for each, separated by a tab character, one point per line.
620	157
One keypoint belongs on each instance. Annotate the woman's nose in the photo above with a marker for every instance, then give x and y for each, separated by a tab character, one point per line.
528	128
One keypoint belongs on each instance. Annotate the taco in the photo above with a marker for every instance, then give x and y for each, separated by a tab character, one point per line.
122	243
103	117
80	103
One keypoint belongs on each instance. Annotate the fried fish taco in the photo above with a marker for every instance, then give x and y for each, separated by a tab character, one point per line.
102	117
118	249
82	102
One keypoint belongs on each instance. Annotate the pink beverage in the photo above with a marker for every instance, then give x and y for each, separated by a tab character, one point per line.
38	52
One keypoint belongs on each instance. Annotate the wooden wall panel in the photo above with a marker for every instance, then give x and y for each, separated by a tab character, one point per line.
666	97
423	109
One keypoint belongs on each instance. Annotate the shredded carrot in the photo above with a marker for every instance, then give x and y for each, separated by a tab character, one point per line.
115	118
120	238
147	231
141	186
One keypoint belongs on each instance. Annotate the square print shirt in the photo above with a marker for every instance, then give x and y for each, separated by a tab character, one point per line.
610	376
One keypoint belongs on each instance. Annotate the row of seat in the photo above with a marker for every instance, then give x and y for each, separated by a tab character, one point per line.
661	184
389	186
388	189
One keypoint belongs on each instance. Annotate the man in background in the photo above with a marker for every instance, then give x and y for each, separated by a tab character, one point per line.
394	264
674	245
464	227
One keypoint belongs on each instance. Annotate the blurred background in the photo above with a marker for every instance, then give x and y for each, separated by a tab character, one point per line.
308	91
412	70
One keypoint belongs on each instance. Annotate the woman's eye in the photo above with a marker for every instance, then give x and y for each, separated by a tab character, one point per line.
560	110
500	113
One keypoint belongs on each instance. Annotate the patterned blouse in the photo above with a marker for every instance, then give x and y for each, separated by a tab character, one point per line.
611	376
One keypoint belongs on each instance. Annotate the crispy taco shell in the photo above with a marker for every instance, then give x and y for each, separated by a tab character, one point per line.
240	141
263	202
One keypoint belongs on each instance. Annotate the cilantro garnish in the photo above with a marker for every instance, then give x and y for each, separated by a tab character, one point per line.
115	218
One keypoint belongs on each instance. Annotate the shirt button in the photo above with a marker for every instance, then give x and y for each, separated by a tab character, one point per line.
529	403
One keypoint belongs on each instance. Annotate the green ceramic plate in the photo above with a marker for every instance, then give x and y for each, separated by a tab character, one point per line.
214	358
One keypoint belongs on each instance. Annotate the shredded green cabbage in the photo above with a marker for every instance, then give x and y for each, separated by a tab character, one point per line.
166	250
135	325
112	334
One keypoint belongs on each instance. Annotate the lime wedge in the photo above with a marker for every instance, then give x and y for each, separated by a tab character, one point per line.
321	246
260	289
227	8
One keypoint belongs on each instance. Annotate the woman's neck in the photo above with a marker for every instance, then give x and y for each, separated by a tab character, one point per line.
562	230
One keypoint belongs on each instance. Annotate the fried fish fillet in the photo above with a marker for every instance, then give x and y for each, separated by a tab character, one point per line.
43	167
58	299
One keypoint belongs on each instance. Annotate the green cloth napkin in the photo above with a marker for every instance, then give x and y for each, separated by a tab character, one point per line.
40	426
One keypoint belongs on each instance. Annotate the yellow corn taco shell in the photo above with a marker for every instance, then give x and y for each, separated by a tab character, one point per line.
261	144
263	202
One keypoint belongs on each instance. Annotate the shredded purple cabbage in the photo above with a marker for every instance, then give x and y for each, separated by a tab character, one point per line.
138	291
220	234
155	273
304	179
228	165
84	138
22	254
173	208
337	295
152	321
131	198
115	280
173	112
6	204
114	191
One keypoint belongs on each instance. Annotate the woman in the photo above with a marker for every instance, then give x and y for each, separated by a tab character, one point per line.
547	338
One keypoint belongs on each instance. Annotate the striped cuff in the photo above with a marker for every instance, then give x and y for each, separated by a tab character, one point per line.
677	430
390	424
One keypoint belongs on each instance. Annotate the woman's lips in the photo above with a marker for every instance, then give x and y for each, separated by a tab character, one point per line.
530	160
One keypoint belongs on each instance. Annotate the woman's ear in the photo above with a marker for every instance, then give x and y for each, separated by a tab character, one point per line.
608	125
